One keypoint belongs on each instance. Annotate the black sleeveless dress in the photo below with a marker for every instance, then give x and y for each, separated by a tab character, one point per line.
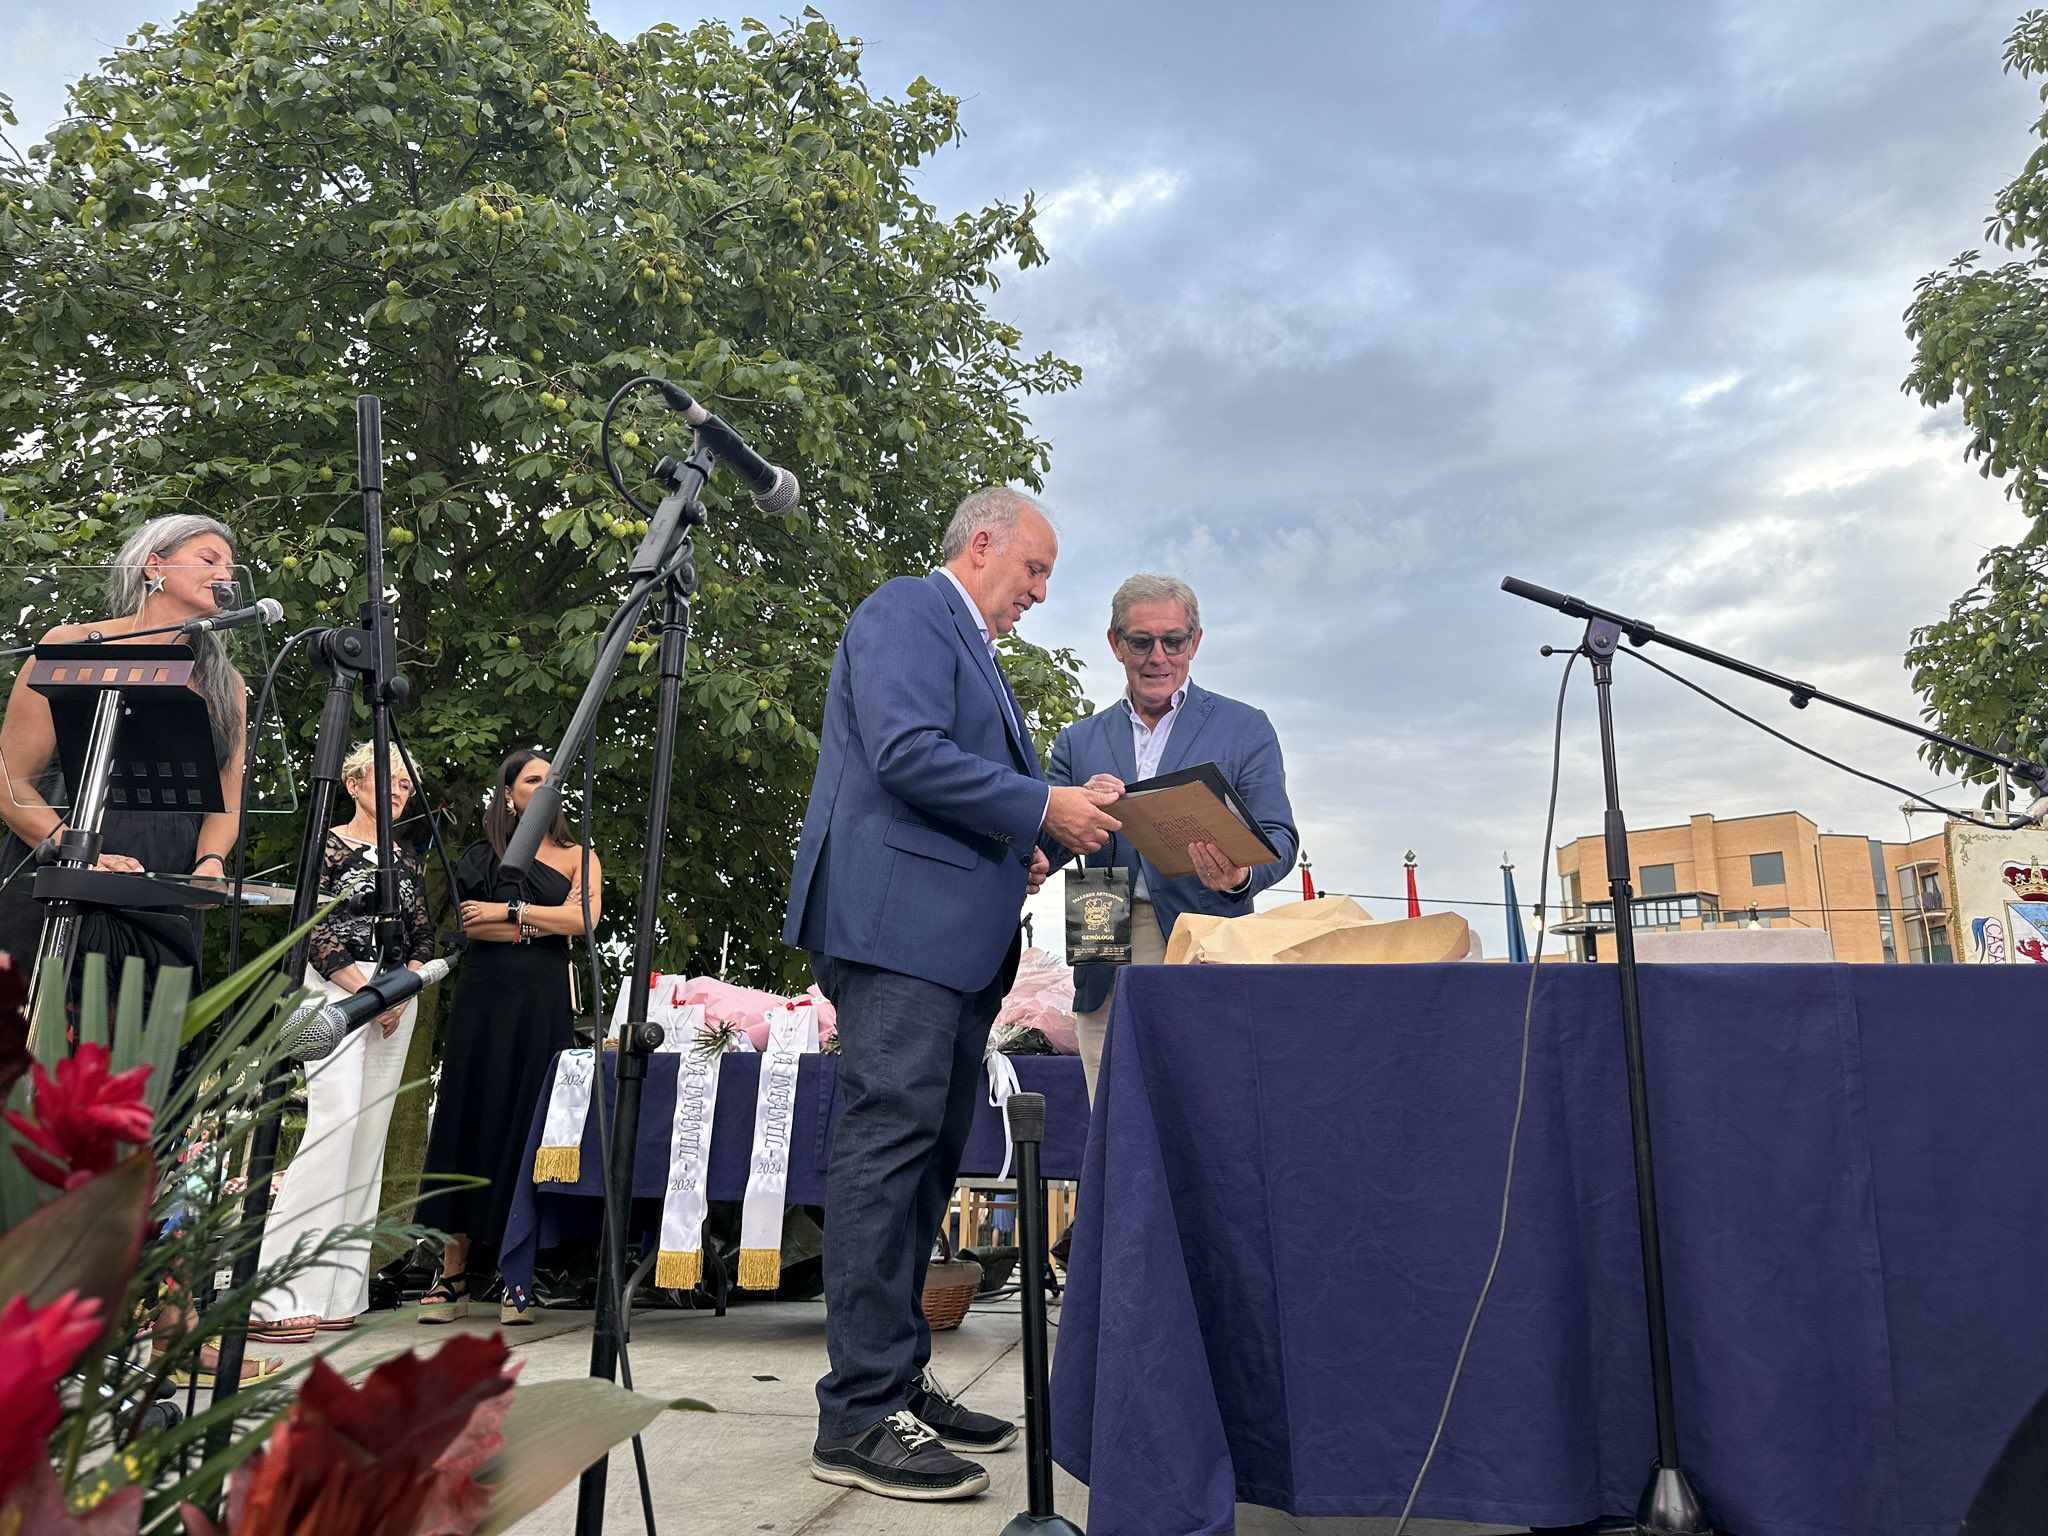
163	842
509	1017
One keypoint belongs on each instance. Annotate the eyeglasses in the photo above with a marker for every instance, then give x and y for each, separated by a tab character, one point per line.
1141	645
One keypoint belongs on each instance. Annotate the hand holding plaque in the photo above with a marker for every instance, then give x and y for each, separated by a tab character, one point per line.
1162	816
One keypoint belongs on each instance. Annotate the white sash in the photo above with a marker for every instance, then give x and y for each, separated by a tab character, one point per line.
679	1263
792	1033
560	1158
1002	1082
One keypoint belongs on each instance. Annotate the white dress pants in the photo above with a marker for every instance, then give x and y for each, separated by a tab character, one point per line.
337	1175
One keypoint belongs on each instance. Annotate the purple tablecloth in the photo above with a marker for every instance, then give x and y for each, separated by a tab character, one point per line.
1293	1185
549	1213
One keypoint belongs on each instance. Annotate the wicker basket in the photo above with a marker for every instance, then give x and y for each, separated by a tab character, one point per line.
949	1286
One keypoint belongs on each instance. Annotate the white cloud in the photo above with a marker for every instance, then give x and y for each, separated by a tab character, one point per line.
1096	202
1710	389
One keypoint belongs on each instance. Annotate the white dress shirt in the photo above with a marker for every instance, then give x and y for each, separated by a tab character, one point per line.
1148	746
989	640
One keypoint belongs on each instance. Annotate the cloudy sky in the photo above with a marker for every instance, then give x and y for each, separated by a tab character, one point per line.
1378	303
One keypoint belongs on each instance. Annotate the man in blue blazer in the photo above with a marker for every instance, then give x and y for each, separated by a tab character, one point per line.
919	846
1162	723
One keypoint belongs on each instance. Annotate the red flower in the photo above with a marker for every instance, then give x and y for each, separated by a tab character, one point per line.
81	1118
37	1346
396	1456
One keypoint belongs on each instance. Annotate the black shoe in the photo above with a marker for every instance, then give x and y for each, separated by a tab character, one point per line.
958	1427
899	1458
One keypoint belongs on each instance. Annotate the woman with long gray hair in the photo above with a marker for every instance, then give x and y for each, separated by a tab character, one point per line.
166	573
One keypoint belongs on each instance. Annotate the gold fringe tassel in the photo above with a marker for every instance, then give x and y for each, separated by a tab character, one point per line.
678	1271
760	1269
558	1165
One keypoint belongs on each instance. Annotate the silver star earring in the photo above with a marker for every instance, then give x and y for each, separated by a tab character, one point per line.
153	585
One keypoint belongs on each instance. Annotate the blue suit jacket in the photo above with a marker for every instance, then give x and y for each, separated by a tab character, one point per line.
1208	729
927	803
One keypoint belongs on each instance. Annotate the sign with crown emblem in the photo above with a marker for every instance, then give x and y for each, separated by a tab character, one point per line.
1999	885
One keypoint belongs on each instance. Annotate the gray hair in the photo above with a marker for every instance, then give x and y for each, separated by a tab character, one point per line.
1148	588
996	508
213	676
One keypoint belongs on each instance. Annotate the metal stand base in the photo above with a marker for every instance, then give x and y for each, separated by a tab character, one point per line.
1668	1507
1042	1525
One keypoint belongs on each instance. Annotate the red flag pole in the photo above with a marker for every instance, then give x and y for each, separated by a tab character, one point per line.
1414	901
1308	886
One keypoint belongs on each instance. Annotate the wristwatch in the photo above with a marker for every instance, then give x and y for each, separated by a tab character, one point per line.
515	912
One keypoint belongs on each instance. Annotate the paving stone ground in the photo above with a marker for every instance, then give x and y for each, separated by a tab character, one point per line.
743	1468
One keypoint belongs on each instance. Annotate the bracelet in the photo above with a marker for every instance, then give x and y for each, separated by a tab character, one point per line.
222	862
528	933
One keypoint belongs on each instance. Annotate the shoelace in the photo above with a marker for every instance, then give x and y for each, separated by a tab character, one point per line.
910	1430
935	1388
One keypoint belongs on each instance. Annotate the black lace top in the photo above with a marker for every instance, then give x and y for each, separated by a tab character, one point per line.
348	935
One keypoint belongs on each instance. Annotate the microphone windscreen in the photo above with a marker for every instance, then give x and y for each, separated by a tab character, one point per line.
781	496
314	1031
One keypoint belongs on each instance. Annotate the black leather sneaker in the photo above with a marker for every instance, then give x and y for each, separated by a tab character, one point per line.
958	1427
898	1457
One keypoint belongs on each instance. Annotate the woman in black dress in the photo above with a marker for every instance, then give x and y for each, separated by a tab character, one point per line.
509	1017
168	571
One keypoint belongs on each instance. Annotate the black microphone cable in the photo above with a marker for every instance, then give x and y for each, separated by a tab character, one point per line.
629	610
1507	1188
434	839
604	439
1815	752
604	1128
249	751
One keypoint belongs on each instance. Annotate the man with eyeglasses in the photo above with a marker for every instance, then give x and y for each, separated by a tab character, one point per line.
1162	723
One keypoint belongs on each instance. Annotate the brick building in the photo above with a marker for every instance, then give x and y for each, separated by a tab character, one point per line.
1879	902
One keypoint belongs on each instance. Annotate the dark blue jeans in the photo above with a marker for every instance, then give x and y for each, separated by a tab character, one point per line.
910	1067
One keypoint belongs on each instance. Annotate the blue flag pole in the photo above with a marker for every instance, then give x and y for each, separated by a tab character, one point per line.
1518	943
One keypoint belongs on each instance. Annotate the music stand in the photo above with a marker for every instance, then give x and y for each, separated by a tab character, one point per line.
101	697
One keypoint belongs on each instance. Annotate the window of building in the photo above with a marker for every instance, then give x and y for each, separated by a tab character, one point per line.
1767	869
1884	903
1659	880
1938	950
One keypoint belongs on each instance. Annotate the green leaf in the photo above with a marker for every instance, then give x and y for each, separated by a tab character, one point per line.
85	1240
553	1430
217	999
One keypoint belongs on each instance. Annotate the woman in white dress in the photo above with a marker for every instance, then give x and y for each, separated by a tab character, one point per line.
338	1173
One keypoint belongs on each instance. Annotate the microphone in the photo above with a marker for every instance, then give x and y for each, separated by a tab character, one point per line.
265	610
317	1028
775	489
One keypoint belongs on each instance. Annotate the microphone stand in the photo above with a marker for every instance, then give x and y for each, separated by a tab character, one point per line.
365	657
665	558
189	627
1668	1506
1025	1113
1641	633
